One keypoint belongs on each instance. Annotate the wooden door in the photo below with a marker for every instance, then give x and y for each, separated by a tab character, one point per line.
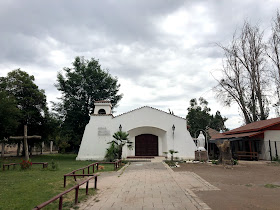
146	145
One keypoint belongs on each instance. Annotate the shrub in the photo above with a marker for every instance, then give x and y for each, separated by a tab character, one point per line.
25	164
275	158
235	162
215	162
172	152
54	166
111	153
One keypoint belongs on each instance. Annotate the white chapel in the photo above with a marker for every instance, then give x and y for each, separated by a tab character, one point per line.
152	132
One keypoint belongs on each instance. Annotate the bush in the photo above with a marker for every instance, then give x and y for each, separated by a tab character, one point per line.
235	162
111	153
25	164
54	166
215	162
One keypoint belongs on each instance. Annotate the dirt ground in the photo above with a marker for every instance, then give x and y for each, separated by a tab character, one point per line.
248	185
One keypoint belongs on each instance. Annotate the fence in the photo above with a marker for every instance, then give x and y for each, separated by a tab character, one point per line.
73	173
60	196
117	164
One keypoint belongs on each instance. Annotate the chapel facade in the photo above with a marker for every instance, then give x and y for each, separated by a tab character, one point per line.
152	131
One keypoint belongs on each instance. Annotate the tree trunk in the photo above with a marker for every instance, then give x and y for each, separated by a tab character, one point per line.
18	148
25	143
3	150
120	152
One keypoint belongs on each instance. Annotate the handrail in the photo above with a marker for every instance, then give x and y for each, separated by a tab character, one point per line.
72	173
117	164
60	196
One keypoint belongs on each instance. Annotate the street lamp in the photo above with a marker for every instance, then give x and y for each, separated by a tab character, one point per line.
173	128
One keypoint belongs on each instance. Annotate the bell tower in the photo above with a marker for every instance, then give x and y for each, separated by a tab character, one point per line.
102	108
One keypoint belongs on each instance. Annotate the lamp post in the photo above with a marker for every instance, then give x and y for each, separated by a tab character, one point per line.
173	129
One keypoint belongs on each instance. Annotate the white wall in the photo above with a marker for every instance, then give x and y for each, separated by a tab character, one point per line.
273	136
100	129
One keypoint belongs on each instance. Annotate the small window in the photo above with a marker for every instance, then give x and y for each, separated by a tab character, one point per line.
101	111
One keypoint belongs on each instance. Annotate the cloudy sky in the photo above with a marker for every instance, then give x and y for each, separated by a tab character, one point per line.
162	51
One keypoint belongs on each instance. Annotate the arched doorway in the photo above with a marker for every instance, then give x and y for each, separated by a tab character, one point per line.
146	145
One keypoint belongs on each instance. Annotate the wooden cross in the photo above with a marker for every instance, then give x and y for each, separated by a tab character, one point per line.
25	137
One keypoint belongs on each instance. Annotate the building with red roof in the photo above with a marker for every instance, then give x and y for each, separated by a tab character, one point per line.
257	140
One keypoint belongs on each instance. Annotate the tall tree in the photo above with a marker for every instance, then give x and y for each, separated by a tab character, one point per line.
29	99
199	117
80	86
244	79
9	118
273	52
9	115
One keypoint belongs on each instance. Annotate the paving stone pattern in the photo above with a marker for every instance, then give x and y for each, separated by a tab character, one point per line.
148	185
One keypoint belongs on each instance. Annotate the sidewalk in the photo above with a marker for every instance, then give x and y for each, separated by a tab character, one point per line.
148	186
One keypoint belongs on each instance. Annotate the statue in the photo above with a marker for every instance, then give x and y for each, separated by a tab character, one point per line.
201	142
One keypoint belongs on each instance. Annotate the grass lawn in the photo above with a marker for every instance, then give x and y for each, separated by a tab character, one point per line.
24	189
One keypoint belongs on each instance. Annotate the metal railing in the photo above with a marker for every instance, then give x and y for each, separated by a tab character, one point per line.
73	173
117	164
60	196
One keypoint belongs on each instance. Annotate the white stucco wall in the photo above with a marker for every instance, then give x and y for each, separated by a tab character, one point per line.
107	107
272	135
145	120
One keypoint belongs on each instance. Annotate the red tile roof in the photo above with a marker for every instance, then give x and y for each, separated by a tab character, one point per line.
249	130
237	135
255	126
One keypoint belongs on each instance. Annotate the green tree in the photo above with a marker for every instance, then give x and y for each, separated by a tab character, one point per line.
121	139
80	86
199	117
9	118
9	115
29	99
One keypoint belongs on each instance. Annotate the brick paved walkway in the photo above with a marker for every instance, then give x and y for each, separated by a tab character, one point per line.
148	186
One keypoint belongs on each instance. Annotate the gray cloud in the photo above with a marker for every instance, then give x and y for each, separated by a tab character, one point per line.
162	50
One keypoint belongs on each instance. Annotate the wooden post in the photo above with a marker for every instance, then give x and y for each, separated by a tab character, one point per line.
18	149
276	153
60	203
95	182
76	194
25	143
97	166
250	145
87	188
270	150
3	149
64	181
74	176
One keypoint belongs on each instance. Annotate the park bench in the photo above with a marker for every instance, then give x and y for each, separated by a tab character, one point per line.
45	165
247	155
8	165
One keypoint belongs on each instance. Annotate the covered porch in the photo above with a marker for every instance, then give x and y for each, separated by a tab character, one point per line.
244	146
